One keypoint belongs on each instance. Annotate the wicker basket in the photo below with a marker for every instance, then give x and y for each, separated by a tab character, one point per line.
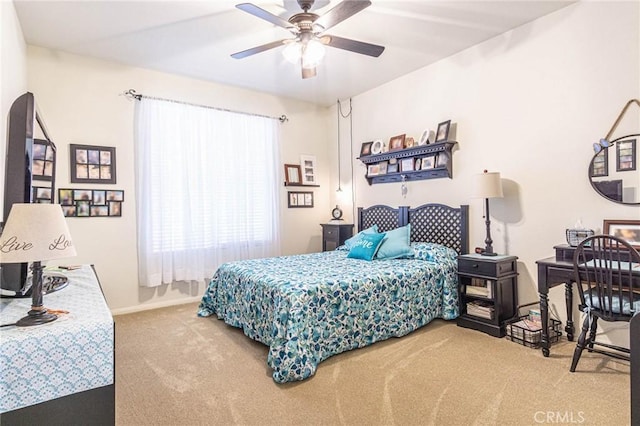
576	236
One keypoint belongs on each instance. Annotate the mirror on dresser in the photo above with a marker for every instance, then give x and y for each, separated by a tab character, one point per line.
614	171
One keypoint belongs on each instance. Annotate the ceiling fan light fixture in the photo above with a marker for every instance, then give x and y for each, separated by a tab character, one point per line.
313	53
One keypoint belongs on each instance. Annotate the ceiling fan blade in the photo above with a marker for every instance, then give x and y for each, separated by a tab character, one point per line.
263	14
341	12
308	72
258	49
353	45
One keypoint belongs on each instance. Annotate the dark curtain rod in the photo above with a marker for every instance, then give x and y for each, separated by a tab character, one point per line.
132	94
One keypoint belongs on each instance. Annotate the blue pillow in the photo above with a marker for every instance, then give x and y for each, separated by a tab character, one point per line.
351	241
397	244
366	247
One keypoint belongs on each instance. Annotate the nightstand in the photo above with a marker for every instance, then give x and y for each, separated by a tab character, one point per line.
488	292
335	234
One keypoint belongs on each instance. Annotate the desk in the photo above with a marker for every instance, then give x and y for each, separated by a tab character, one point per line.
61	372
554	271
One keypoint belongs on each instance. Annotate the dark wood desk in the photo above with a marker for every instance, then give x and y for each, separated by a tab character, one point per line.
557	270
554	271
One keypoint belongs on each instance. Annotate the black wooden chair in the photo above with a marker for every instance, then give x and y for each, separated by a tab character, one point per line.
604	268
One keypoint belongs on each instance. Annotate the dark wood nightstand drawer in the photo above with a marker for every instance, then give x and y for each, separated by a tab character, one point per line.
334	235
487	266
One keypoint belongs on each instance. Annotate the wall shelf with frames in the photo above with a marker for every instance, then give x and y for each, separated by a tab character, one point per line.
438	155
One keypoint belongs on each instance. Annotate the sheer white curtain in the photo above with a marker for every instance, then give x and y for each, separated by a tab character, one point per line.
206	187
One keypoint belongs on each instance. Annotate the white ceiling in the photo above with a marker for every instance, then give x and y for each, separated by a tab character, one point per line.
196	38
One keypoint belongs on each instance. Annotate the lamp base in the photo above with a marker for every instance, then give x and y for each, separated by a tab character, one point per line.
36	317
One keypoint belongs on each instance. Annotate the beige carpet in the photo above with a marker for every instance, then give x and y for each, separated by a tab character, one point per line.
173	368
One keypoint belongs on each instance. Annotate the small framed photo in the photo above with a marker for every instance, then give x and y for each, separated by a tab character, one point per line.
418	164
298	199
373	170
99	198
441	159
382	167
626	155
628	230
365	149
392	168
600	164
406	165
428	163
425	137
409	142
442	134
396	143
69	211
65	197
92	164
115	208
308	169
115	195
43	193
292	174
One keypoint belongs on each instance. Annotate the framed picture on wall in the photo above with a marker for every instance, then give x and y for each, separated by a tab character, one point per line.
292	174
92	164
600	164
90	202
626	155
44	157
308	168
298	199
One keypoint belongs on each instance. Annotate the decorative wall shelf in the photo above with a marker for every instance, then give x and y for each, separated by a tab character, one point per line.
301	185
439	154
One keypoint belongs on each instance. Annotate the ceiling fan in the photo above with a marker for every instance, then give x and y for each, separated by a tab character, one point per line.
308	28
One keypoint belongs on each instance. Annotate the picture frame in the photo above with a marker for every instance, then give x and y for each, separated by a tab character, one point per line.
600	164
373	170
300	199
409	142
406	165
44	160
392	168
396	143
376	147
425	138
308	169
365	149
42	194
92	164
442	134
628	230
626	155
428	163
292	174
91	202
382	167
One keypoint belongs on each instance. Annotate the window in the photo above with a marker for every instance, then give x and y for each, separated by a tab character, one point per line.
206	187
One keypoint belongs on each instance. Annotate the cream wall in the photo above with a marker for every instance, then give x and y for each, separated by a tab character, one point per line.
80	99
13	75
528	104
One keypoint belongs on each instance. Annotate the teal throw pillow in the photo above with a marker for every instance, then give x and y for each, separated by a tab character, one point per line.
366	247
351	241
397	244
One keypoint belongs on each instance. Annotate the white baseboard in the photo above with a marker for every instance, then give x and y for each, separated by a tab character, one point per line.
147	307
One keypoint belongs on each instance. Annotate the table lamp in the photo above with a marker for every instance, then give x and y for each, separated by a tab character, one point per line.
487	185
35	233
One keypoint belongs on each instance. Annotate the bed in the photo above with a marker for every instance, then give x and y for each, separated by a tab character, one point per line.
306	308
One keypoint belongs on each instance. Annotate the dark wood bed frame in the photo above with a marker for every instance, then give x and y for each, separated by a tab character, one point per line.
430	223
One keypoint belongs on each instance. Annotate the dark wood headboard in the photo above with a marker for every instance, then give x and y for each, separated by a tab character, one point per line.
430	223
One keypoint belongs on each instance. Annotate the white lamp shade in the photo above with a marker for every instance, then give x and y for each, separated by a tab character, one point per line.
35	232
487	185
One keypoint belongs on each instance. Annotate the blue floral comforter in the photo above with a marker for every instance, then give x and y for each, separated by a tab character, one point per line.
309	307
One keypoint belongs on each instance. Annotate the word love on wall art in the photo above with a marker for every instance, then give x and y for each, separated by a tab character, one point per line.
91	202
92	164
